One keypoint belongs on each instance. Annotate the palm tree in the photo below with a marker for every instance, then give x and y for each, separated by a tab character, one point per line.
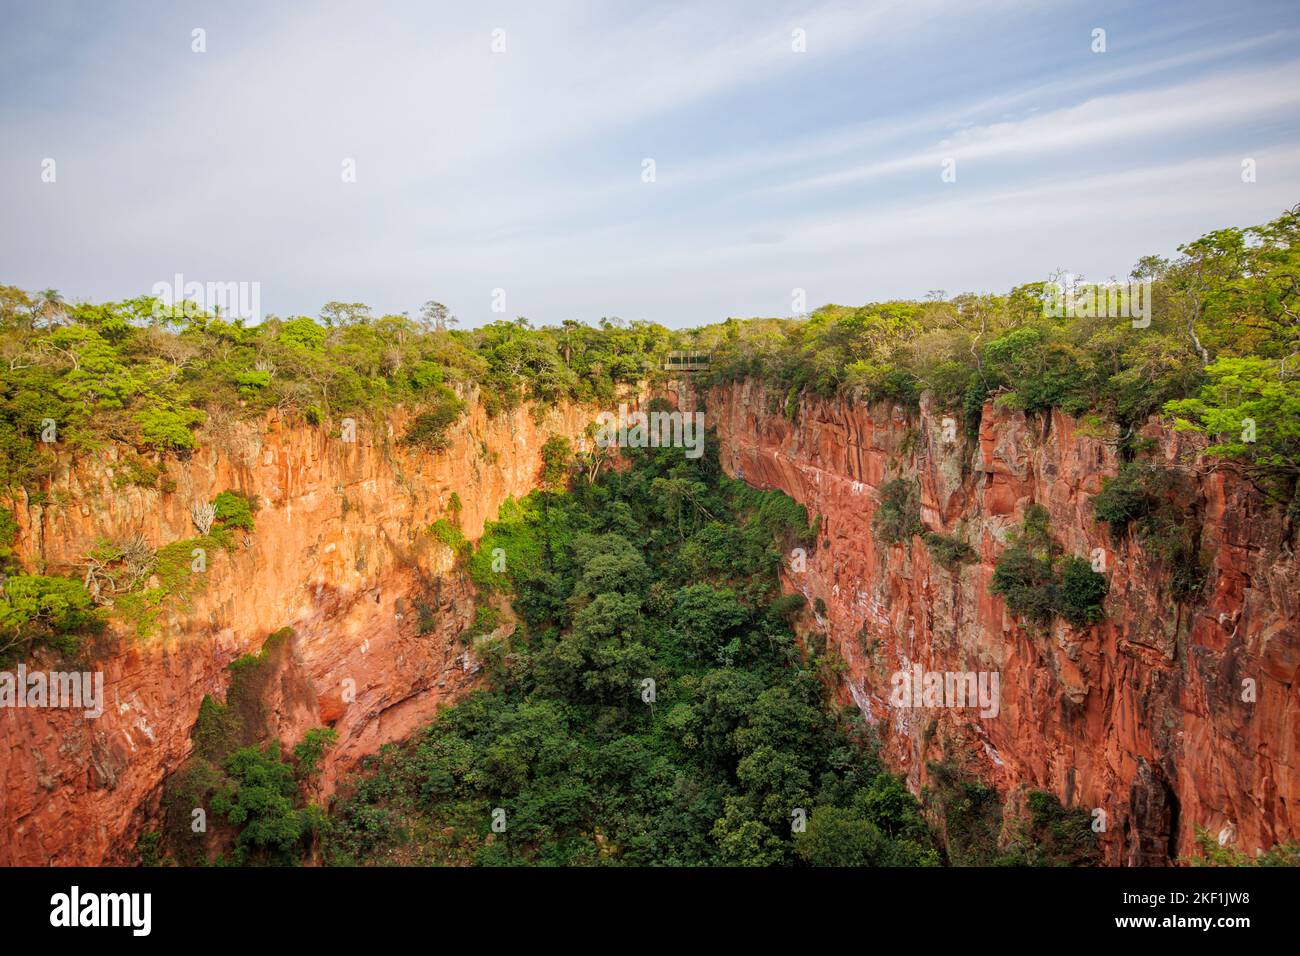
50	305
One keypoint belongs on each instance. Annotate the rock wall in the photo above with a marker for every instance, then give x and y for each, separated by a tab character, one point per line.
1141	716
339	553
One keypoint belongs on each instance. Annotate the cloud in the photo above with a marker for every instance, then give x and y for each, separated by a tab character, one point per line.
521	170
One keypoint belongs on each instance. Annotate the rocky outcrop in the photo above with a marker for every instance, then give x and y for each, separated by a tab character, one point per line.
1162	718
339	553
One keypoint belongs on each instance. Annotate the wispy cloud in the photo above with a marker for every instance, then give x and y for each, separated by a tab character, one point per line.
522	170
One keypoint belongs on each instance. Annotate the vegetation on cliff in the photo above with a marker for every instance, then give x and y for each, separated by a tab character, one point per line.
1039	583
653	707
238	800
145	374
1221	351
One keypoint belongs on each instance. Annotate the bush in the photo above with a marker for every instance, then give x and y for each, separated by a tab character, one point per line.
35	609
557	457
1053	835
1212	854
234	510
1081	592
308	752
450	535
169	430
430	429
1025	583
949	552
899	514
1156	501
1038	584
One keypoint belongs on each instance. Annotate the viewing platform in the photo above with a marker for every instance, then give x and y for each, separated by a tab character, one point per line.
686	361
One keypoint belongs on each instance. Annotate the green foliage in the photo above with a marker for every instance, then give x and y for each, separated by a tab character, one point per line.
557	459
308	752
898	516
234	775
8	535
1157	502
40	610
1053	835
969	812
169	430
217	731
664	572
450	535
234	510
1038	583
171	579
1080	592
1212	854
1251	408
148	848
191	787
134	470
882	827
260	797
116	372
1221	346
431	428
948	551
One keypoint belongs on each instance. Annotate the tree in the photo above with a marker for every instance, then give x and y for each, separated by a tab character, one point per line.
557	459
1251	408
436	316
344	313
840	836
50	306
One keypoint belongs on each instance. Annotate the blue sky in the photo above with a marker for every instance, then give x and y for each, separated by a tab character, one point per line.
522	170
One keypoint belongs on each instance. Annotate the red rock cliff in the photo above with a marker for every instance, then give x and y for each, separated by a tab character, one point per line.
339	553
1143	715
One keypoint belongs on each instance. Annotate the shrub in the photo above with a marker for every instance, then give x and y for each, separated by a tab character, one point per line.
1081	592
1156	502
308	752
1212	854
430	429
35	609
250	383
450	535
969	813
557	457
899	514
169	430
950	552
234	510
1025	583
1053	835
1038	584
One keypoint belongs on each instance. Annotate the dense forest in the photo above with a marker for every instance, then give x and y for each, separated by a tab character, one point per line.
1222	346
1220	355
653	705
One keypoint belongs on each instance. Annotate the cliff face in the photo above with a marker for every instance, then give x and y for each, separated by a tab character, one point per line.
1146	716
339	553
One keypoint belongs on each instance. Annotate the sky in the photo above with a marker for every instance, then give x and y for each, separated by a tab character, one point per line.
679	163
